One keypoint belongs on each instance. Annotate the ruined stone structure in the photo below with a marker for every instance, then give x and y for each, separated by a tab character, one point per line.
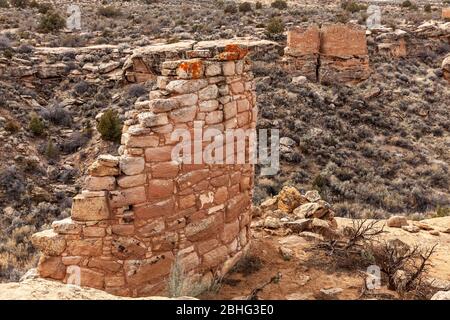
331	53
142	214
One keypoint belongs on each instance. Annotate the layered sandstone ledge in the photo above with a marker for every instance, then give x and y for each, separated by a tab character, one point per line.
329	54
142	215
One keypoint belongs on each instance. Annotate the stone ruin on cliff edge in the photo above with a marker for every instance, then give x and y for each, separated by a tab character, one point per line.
333	53
140	213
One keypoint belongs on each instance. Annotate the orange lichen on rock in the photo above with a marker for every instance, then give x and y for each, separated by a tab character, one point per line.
233	52
193	68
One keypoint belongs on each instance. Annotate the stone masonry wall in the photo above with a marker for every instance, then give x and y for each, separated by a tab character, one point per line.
329	54
142	214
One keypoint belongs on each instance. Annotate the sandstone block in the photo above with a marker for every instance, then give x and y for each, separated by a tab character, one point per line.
165	170
186	86
94	232
208	93
185	100
190	69
97	169
150	119
104	265
209	105
51	267
49	242
163	105
236	206
204	229
132	165
158	154
139	141
228	68
100	183
66	226
86	247
91	278
397	222
153	210
142	271
213	69
160	188
184	114
132	181
90	208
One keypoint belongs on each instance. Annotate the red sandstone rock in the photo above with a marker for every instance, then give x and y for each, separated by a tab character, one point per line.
86	207
51	267
49	242
86	247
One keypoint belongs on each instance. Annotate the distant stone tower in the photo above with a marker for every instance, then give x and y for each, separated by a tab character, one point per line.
142	214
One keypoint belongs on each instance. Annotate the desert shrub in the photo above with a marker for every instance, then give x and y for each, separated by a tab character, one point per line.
81	88
57	115
275	26
36	125
51	152
279	4
352	6
12	126
4	4
409	4
181	284
5	43
258	5
245	7
12	182
109	11
109	126
442	212
230	8
8	53
51	21
136	90
19	3
248	265
427	7
403	265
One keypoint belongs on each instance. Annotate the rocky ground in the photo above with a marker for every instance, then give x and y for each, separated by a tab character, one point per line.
376	149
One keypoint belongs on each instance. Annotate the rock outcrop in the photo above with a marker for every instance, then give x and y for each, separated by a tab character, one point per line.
295	212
